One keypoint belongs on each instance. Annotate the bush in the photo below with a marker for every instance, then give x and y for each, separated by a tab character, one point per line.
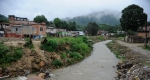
57	63
101	38
28	43
76	56
9	54
50	45
63	55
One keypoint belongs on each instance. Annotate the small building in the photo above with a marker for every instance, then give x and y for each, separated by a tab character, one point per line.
22	27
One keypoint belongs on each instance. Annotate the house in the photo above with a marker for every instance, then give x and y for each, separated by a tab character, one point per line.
102	33
22	27
52	31
3	25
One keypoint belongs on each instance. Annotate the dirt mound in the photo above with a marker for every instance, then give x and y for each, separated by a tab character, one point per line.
32	60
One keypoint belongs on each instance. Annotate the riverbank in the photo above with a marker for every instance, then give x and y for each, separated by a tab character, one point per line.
61	52
134	64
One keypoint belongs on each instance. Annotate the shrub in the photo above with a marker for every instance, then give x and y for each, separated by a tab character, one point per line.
17	53
9	54
75	55
101	38
63	55
28	43
50	45
85	39
57	63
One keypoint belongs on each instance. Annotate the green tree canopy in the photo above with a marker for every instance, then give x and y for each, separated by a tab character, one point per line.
3	18
57	22
40	19
133	17
92	28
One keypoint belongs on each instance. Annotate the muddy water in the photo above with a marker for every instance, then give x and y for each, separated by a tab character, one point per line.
98	66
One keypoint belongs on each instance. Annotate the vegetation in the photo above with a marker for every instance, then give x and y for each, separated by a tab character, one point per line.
133	17
70	49
64	25
117	49
98	17
109	28
57	63
92	28
147	47
3	18
9	53
28	43
40	19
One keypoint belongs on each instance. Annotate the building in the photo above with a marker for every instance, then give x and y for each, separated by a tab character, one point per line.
22	27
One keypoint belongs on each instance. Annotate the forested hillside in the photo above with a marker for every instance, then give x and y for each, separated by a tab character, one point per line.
3	18
102	17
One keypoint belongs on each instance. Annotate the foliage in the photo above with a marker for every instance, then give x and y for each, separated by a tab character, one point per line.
101	38
98	17
64	25
92	28
9	53
63	55
50	45
3	18
116	49
133	17
146	47
28	43
75	55
40	19
57	63
109	28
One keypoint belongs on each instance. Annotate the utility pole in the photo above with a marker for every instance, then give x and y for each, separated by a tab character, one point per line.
146	35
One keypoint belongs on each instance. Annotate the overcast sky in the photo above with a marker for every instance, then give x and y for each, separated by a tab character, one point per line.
65	8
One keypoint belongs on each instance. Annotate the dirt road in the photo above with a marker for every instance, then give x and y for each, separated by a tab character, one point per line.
137	47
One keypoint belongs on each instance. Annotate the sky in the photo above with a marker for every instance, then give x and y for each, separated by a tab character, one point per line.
65	8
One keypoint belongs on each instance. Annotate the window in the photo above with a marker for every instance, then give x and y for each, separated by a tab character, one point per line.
16	29
41	29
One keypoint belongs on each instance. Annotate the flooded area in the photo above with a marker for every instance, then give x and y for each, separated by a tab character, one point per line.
101	65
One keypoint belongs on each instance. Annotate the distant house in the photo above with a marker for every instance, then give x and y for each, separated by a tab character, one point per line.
102	33
3	25
52	31
22	27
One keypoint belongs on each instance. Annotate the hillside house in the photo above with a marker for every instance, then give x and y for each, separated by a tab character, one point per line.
22	27
3	25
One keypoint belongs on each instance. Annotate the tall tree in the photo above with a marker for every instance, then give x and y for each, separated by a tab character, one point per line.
92	28
133	17
57	22
40	19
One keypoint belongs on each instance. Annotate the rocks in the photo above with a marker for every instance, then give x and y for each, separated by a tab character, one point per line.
41	75
41	64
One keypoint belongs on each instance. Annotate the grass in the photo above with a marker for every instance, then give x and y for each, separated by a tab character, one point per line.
116	49
147	47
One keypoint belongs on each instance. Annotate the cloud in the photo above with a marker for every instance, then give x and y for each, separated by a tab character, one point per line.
64	8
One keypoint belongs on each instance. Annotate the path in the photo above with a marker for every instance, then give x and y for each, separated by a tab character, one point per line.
137	47
98	66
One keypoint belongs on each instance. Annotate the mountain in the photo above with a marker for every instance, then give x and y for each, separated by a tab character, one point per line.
101	17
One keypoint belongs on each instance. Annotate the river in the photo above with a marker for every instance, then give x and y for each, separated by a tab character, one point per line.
101	65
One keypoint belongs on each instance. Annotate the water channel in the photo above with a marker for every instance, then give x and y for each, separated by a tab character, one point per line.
99	66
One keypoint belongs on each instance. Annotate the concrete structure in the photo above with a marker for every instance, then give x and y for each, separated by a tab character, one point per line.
22	27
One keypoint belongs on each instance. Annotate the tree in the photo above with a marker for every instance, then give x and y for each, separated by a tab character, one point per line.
132	18
3	18
92	28
40	19
57	22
